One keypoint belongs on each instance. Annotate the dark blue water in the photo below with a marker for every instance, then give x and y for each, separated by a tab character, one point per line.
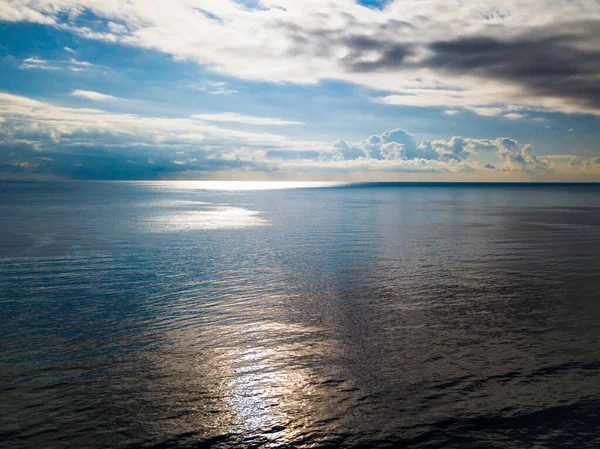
167	315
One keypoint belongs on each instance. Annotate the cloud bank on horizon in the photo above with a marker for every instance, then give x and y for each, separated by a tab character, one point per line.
483	67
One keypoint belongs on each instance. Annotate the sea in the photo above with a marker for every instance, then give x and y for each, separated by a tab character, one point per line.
196	314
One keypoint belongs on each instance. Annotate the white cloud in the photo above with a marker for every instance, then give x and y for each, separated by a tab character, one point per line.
391	49
76	63
22	11
246	119
95	96
51	124
222	91
36	63
45	64
212	88
576	165
514	116
487	112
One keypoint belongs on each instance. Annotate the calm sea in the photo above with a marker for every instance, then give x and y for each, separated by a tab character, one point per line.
184	315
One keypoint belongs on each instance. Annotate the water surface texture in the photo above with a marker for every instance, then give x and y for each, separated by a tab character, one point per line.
170	314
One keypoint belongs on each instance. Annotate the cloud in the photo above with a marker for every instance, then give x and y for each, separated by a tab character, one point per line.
125	164
222	91
515	116
246	119
345	150
519	157
48	126
535	55
95	96
452	155
44	64
39	138
487	112
398	144
40	64
213	88
541	61
573	164
80	65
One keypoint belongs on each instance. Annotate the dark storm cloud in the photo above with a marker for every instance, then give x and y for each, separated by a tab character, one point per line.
563	63
390	55
550	61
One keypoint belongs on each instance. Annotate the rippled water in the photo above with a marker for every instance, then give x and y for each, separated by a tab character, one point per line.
164	315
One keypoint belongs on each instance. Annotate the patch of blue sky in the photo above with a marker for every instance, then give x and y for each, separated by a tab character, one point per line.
253	4
377	4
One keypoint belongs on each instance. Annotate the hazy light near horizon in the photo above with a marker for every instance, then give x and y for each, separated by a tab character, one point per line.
239	185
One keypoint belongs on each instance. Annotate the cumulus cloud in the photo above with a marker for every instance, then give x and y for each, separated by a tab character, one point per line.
345	150
398	144
516	56
519	157
454	154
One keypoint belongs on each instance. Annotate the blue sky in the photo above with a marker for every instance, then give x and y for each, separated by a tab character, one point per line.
310	89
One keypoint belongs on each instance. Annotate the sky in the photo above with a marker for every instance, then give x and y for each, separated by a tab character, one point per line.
340	90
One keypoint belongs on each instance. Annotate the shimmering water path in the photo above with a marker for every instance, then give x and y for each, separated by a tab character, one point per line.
167	315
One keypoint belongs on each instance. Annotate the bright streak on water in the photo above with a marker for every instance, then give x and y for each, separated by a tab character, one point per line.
219	217
194	314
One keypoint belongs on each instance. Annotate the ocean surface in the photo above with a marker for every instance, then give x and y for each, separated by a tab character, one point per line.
226	315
